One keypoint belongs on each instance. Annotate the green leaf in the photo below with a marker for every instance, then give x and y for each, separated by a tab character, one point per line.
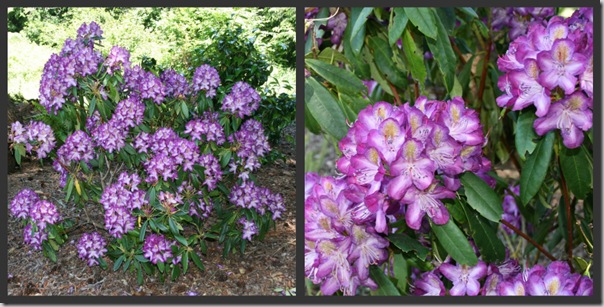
525	134
357	22
118	263
331	56
383	55
175	272
481	197
468	11
310	122
324	108
143	231
443	54
196	260
397	26
185	109
69	188
408	244
139	275
423	19
161	266
141	258
401	271
414	56
535	168
385	285
185	262
490	246
455	243
578	171
343	79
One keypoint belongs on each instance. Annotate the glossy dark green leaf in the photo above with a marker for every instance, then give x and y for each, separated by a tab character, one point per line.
468	11
423	19
414	56
343	79
454	241
196	260
383	60
525	134
397	25
331	56
578	171
535	168
408	244
447	17
185	262
443	54
118	263
353	50
490	246
324	108
401	271
310	122
481	197
358	19
385	285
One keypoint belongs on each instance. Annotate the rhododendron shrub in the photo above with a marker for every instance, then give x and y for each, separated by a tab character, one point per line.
168	161
463	144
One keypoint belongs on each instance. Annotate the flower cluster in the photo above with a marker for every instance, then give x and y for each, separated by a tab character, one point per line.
251	144
506	279
36	136
41	213
206	79
145	83
248	195
212	171
158	248
91	247
337	24
119	200
208	126
411	156
77	147
242	101
175	83
551	67
249	228
339	247
518	18
169	152
77	58
117	59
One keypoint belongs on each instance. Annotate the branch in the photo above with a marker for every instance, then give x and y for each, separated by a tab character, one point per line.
529	239
569	224
395	93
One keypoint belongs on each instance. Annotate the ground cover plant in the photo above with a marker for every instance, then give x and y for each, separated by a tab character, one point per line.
463	151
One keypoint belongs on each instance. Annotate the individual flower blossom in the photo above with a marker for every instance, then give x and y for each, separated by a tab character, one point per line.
428	285
513	287
464	278
22	202
157	248
560	65
369	248
249	229
426	202
169	201
43	213
175	83
117	59
242	101
571	116
34	238
548	284
412	168
91	247
206	79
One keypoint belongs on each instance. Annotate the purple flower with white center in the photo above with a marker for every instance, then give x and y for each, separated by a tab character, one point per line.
368	249
200	208
366	169
411	168
251	142
160	165
464	125
528	90
117	59
145	83
91	247
548	284
44	212
571	115
169	201
206	79
157	248
333	266
22	202
428	285
34	238
141	142
428	201
129	113
77	147
444	151
90	31
36	136
118	221
561	65
175	83
212	172
464	278
249	229
387	139
586	79
17	133
513	287
242	101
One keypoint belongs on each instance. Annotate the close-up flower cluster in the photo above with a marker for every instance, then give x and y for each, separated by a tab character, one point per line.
159	249
91	247
35	135
248	195
551	67
207	125
144	83
39	213
206	79
119	200
251	144
242	101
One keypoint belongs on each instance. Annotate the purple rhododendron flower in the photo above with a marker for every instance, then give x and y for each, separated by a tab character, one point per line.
428	285
22	202
464	278
157	248
91	247
206	79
